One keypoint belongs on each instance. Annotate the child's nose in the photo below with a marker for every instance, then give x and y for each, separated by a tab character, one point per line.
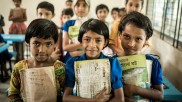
131	43
42	48
92	44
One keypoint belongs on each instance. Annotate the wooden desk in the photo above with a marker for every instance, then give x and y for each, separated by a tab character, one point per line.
171	93
3	47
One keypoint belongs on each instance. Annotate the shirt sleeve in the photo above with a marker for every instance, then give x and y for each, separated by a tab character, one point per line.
70	74
156	77
116	73
114	32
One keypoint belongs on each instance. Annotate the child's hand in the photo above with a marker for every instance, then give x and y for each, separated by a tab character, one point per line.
102	96
56	54
129	90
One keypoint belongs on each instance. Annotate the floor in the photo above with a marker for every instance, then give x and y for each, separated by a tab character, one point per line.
3	87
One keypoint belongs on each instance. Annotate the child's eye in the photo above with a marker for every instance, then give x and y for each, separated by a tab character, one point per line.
36	44
48	44
87	40
98	40
139	39
126	37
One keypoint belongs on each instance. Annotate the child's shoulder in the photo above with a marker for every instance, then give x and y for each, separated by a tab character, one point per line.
58	64
21	65
152	57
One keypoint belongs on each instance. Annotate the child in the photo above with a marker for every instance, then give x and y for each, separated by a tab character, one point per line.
135	29
66	15
122	12
94	36
69	3
115	13
114	42
45	10
1	24
18	17
102	11
71	29
41	36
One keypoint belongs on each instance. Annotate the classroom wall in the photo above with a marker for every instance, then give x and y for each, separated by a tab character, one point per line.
30	5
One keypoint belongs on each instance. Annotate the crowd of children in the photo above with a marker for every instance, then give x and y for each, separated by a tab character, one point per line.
81	37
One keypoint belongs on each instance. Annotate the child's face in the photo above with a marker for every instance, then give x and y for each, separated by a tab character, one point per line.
44	14
17	3
81	8
122	13
133	5
41	49
68	4
93	44
132	39
115	15
65	18
102	14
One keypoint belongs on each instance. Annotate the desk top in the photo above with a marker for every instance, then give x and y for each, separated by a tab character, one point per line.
14	37
171	93
3	47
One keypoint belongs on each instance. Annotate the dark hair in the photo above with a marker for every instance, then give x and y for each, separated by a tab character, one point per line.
46	5
139	20
96	26
115	9
101	6
69	0
67	11
141	0
122	9
41	28
19	0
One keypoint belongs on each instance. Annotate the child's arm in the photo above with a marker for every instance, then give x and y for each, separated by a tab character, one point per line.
76	53
68	97
155	93
67	46
24	15
118	95
11	15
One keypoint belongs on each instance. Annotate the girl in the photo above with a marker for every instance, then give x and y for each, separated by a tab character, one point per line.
41	36
94	36
135	30
18	17
71	29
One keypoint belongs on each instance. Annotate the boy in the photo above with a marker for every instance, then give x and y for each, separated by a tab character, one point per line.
41	36
45	10
135	29
114	42
69	3
66	15
102	11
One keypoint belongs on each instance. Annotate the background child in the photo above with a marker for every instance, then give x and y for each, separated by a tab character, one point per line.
69	3
1	24
102	12
115	13
94	36
115	42
66	15
122	12
18	17
41	36
135	29
71	29
45	10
